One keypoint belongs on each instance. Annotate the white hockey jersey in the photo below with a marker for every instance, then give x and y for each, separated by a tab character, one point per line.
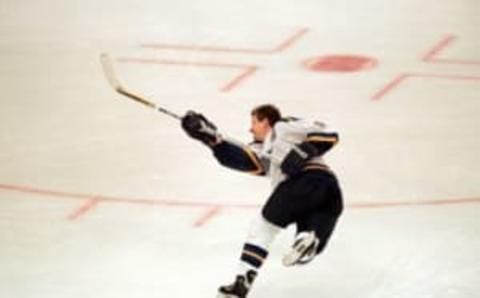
265	158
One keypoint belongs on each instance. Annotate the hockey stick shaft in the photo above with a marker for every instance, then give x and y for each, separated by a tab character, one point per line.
109	72
147	103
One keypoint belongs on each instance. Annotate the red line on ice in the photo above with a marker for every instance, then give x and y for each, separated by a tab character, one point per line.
278	48
432	55
182	203
435	50
247	70
401	78
87	206
389	87
211	212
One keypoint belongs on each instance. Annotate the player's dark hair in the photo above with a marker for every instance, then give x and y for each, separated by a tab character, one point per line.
268	111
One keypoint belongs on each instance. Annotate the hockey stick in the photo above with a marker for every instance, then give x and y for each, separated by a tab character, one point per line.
107	66
108	69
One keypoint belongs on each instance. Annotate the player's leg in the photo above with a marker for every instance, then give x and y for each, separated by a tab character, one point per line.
254	253
315	226
325	220
276	215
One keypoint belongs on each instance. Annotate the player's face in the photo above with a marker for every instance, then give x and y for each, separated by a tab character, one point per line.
259	129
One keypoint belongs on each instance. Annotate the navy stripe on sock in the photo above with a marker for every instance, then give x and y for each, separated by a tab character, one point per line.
252	261
255	249
253	255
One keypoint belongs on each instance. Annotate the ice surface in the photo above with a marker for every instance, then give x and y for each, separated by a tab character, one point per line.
101	197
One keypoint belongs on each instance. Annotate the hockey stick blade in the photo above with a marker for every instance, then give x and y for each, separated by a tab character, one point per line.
107	65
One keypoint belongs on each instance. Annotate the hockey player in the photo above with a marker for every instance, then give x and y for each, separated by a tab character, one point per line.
305	191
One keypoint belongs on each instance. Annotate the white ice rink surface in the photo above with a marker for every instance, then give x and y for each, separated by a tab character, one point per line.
101	197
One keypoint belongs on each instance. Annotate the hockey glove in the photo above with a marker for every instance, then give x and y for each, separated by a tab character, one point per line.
200	128
293	163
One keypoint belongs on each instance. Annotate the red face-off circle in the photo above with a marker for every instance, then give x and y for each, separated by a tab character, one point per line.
339	63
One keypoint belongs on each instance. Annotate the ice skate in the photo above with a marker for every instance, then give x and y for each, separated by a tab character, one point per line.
239	288
303	250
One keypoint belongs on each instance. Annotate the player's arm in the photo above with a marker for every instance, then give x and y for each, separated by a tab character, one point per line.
317	143
322	141
238	157
228	153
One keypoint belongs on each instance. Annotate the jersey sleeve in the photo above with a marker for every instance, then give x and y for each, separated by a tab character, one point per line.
295	131
323	139
238	157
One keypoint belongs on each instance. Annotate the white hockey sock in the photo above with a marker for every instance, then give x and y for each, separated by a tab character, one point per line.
255	251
